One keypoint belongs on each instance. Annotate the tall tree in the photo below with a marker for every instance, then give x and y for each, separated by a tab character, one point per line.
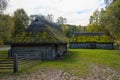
94	22
3	5
111	20
95	17
21	21
60	22
6	28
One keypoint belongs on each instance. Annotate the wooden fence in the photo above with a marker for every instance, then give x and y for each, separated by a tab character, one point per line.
9	63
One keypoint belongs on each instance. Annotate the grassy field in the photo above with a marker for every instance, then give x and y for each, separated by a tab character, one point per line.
109	58
3	54
77	61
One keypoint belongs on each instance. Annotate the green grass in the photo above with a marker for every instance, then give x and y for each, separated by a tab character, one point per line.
109	58
3	54
76	62
80	59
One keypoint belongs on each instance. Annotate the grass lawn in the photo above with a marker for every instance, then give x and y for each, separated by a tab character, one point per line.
76	62
3	54
109	58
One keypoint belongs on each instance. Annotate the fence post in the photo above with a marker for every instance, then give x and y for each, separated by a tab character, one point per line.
15	63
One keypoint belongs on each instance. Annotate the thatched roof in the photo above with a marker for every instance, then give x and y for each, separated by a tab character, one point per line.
36	25
42	32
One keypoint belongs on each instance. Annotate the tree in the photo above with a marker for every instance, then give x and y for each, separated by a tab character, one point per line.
110	19
3	5
95	17
94	22
93	27
71	29
6	28
102	24
108	2
61	20
21	21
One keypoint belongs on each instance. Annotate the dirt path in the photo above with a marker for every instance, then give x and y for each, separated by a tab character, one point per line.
97	73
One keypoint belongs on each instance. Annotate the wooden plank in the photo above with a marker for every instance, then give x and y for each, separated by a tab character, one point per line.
9	63
6	62
5	70
6	59
6	67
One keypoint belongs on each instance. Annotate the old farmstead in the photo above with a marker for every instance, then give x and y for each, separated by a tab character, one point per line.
39	41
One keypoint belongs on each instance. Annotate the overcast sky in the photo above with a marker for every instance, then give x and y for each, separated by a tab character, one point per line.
76	11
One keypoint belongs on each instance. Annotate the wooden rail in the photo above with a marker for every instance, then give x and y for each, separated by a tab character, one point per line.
9	63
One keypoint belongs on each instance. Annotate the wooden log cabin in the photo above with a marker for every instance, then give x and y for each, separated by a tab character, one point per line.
91	40
41	40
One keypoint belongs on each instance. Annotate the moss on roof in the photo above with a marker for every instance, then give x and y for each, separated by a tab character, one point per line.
90	37
40	31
